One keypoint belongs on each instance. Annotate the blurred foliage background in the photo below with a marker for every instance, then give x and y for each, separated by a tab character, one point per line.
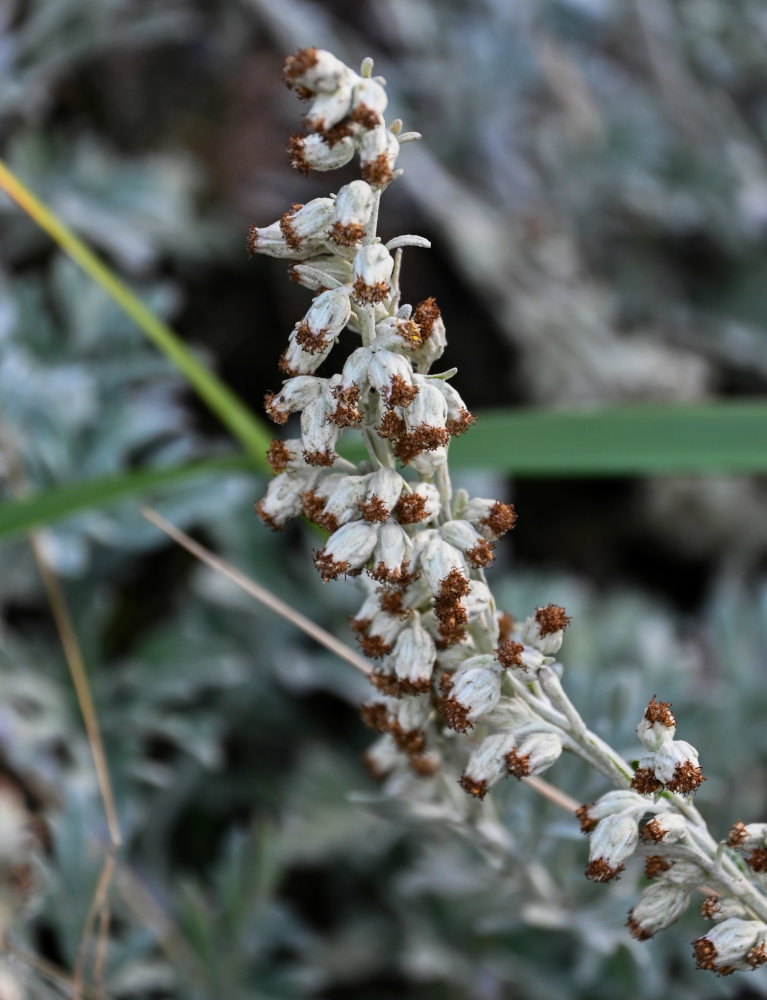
594	181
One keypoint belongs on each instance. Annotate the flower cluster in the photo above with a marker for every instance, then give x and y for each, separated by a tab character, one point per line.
668	763
345	115
750	839
428	616
461	688
733	944
737	941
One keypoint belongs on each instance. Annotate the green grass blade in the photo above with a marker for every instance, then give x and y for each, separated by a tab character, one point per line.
18	517
641	440
726	437
229	409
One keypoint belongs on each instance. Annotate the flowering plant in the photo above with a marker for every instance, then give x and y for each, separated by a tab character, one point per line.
465	694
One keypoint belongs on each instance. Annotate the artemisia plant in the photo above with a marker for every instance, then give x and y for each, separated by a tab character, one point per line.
464	694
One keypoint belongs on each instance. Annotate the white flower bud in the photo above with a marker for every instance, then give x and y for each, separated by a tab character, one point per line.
314	152
545	629
318	434
394	333
347	389
369	103
313	337
652	735
314	501
747	836
665	827
676	765
490	517
412	713
296	360
458	417
269	240
282	500
475	690
296	393
351	213
316	70
419	505
346	550
367	612
531	659
391	375
422	538
732	944
415	421
683	873
310	222
326	481
487	764
611	803
460	534
322	273
403	718
437	560
373	266
329	313
383	757
327	110
465	537
613	841
721	907
483	660
658	907
417	593
433	338
298	234
355	370
510	713
513	655
428	409
382	493
477	600
379	150
534	754
454	658
286	454
381	634
657	725
413	658
644	779
392	555
342	503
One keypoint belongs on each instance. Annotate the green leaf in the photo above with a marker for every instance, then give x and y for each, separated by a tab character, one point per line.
618	441
641	440
19	517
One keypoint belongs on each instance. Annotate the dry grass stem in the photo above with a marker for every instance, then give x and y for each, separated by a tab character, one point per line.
98	910
548	791
78	673
49	971
256	590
